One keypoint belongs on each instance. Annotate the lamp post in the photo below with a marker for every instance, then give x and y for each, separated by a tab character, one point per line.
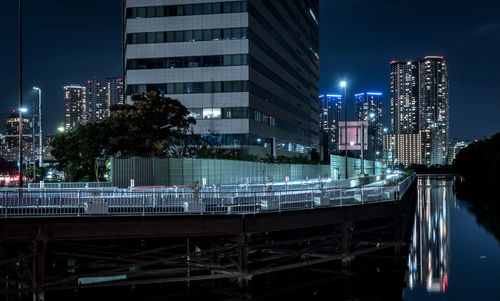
343	84
20	170
374	132
40	137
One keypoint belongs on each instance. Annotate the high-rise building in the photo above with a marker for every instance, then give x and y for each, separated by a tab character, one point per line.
368	107
407	152
420	105
10	141
248	71
454	148
75	111
101	94
330	109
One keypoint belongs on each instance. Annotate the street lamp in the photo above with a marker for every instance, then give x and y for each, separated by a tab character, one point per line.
60	129
343	84
40	143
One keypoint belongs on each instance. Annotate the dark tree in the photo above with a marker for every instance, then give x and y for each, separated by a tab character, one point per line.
148	127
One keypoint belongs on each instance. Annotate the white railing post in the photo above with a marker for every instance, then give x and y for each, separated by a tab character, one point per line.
78	203
7	204
143	203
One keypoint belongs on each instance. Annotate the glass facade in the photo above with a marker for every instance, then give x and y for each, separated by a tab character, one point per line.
188	62
187	10
218	34
190	88
247	113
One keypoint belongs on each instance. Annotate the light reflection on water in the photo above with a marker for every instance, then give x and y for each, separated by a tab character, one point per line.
429	257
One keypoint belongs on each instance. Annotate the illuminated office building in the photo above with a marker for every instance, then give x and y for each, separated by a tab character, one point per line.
75	98
408	150
330	109
420	104
368	107
101	94
248	71
10	141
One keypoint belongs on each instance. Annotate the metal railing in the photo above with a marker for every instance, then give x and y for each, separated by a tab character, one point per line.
80	202
71	185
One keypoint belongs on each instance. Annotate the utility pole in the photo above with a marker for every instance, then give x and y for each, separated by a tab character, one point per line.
20	93
33	139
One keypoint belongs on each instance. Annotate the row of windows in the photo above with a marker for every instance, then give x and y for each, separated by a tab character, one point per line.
220	87
187	10
189	88
219	113
250	139
217	34
188	62
246	113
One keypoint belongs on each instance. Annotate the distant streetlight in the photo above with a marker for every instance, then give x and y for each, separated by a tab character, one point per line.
23	110
343	84
60	129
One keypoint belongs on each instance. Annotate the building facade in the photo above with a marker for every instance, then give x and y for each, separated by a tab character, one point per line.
330	109
101	94
420	105
403	149
10	141
75	110
368	108
455	147
248	71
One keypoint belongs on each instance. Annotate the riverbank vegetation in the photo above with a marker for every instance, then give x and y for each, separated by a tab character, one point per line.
479	164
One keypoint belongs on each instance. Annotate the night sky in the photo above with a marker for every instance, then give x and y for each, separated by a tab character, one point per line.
70	42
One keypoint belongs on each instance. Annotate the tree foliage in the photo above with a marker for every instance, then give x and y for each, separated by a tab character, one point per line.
79	152
480	162
148	127
152	126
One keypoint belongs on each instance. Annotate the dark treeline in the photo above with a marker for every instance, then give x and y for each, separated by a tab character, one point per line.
479	164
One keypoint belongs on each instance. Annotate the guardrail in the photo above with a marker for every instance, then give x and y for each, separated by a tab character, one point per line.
80	202
71	185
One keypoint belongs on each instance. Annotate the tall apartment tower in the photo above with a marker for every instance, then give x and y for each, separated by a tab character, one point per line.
75	111
330	109
420	105
248	71
368	107
10	142
101	94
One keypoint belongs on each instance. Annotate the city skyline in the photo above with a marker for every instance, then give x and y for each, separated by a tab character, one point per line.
364	70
